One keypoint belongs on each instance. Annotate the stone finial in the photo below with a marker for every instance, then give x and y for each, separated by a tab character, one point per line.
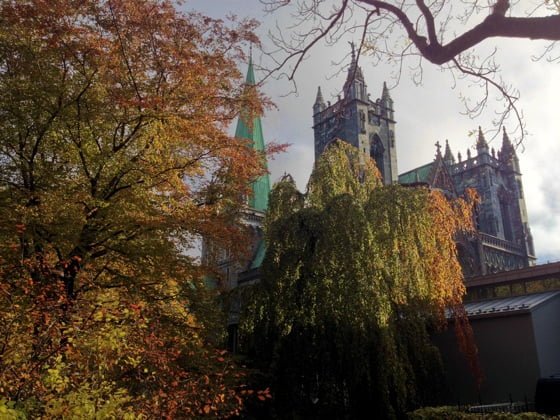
481	144
505	136
438	149
353	52
385	93
448	156
319	99
354	71
319	104
506	142
508	151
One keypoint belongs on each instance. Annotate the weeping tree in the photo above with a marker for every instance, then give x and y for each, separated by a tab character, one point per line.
356	277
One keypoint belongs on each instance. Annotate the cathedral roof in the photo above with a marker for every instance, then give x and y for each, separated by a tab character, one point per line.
420	174
252	130
434	174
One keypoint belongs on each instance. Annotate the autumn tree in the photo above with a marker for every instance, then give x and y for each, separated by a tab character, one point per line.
114	158
449	34
356	277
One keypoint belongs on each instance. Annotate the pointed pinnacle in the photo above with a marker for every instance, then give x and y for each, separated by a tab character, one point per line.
506	139
448	155
447	148
385	94
319	99
481	142
250	79
507	146
353	46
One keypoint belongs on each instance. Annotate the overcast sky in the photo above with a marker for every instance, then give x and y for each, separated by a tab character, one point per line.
424	114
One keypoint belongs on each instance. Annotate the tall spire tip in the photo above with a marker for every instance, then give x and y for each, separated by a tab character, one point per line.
353	46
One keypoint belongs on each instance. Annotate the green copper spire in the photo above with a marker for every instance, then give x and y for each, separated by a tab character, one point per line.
253	132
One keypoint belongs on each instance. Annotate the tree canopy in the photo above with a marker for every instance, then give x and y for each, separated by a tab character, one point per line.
114	158
355	278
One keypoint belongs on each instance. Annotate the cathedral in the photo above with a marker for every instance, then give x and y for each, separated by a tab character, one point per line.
513	305
503	239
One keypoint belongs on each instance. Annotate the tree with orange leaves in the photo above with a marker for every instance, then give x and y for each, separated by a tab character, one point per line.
114	158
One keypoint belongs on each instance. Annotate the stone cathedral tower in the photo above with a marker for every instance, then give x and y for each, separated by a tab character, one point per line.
366	124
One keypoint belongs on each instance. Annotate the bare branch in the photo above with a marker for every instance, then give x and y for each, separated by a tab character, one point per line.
424	27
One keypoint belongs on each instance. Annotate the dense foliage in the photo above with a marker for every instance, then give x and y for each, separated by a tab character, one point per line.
446	412
114	157
355	278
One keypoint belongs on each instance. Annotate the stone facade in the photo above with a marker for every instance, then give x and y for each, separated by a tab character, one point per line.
503	239
355	118
502	218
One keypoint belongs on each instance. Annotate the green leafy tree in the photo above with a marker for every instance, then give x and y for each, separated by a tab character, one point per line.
114	157
356	277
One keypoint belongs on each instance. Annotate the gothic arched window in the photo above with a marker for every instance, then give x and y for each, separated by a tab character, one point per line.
377	152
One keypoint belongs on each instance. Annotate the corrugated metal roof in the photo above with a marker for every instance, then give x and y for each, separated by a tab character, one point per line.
507	305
